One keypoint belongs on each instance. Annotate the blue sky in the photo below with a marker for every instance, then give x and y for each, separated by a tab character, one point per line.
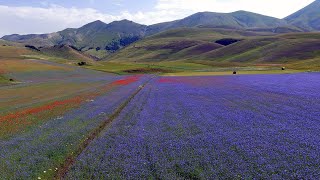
46	16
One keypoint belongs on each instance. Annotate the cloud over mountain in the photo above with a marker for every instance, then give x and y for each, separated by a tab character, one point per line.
51	17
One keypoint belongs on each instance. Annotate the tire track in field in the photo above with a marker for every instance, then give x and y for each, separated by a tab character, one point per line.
71	159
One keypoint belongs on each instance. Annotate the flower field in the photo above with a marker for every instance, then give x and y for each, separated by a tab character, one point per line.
65	122
228	127
45	118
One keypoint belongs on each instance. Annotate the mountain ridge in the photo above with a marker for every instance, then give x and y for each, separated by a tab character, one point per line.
101	38
307	18
176	23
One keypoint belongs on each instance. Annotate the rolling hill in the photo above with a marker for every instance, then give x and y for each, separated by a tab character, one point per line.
202	45
179	43
307	18
204	36
65	52
100	39
96	35
234	20
276	49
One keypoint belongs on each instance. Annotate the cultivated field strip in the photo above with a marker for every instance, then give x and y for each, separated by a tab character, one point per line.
39	150
70	160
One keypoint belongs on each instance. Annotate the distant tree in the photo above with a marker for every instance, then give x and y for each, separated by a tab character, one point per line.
227	41
32	47
82	63
75	48
113	46
98	49
128	40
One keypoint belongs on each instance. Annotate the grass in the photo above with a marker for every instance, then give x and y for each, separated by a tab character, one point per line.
224	73
99	54
164	46
147	67
14	52
151	56
3	80
65	52
296	50
18	65
198	68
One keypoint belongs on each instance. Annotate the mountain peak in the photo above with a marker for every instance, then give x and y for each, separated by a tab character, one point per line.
95	23
123	22
307	18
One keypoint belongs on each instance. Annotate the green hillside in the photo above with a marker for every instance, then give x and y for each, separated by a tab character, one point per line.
199	46
179	44
96	36
279	49
5	43
307	18
65	52
211	39
100	39
235	20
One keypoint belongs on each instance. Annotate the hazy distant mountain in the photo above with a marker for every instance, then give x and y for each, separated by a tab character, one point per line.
307	18
93	35
100	39
237	20
100	34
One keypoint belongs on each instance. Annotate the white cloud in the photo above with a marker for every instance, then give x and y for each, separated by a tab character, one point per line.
275	8
52	18
25	20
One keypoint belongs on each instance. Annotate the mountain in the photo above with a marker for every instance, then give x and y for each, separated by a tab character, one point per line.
100	34
235	20
293	47
307	18
96	35
100	39
216	45
181	43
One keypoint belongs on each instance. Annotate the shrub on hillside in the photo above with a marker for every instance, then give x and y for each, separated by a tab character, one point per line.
32	47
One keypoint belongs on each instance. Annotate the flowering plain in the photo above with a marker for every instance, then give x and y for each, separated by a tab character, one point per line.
51	111
65	122
218	127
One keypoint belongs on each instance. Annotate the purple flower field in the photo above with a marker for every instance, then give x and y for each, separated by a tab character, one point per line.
227	127
38	151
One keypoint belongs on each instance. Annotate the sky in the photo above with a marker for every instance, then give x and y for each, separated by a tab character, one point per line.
46	16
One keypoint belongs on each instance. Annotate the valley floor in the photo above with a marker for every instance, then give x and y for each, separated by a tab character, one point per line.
62	121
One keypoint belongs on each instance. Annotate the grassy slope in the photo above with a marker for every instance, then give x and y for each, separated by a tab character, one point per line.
66	52
14	64
14	52
3	80
177	44
307	18
192	51
296	50
9	52
4	43
98	54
